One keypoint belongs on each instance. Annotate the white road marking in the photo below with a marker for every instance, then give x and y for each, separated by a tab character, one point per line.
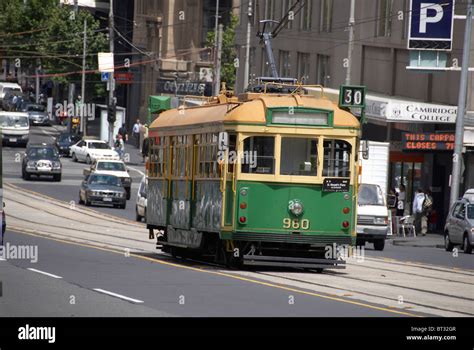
138	171
118	295
45	273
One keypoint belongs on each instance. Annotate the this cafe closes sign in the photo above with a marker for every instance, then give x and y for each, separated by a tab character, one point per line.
428	141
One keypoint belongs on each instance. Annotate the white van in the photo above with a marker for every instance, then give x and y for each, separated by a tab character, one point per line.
15	127
8	87
372	216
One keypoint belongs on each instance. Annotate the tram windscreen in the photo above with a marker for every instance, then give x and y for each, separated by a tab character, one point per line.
337	158
260	149
299	156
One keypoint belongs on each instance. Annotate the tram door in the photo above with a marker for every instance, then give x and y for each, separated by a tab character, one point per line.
228	180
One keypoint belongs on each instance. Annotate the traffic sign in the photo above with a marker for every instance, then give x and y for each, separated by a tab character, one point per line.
104	76
431	25
351	96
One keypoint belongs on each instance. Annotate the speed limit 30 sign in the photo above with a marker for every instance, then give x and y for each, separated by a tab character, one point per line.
351	96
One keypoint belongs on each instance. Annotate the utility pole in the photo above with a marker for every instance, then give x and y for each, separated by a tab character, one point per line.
247	47
83	87
351	42
217	86
458	143
37	85
216	37
111	103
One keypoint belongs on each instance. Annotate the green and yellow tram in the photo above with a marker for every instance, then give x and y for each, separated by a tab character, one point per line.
259	179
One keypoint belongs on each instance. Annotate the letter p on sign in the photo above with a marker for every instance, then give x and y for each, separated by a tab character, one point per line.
426	15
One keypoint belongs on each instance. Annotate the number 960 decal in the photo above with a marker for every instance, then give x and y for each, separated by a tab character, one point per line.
296	224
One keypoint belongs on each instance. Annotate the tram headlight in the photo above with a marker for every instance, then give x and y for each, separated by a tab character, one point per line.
296	207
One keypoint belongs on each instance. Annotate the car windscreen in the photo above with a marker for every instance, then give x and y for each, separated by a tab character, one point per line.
370	195
111	166
13	121
470	211
98	145
35	108
64	138
106	180
44	153
7	90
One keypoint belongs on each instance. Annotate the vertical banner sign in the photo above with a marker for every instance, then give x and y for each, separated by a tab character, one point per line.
431	25
1	189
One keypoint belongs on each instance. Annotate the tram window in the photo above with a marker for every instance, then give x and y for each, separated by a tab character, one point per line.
337	158
299	156
207	156
259	155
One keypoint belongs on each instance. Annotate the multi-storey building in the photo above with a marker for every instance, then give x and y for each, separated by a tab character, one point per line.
313	47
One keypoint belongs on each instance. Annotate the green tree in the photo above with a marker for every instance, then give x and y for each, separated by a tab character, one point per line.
52	33
229	52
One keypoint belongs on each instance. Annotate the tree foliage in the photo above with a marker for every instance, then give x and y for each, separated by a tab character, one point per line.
229	52
52	33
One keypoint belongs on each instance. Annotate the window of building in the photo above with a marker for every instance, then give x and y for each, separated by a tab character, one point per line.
286	5
303	67
305	23
326	16
263	149
337	158
299	156
323	72
384	18
271	9
284	62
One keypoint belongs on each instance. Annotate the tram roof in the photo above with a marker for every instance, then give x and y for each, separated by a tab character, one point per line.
250	111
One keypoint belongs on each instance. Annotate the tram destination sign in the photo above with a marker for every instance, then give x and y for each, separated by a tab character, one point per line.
335	185
431	25
428	141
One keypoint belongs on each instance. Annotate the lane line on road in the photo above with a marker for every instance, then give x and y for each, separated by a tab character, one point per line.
45	273
136	170
299	291
136	301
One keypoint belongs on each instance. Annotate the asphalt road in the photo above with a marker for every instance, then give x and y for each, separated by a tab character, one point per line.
105	283
68	191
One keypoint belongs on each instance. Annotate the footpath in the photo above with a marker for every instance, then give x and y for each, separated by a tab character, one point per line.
431	240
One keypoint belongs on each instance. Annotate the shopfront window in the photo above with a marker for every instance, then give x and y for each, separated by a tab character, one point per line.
299	156
407	174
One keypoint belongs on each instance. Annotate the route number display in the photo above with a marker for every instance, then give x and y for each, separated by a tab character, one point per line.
352	96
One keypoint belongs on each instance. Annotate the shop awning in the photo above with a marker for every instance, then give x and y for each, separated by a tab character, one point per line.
158	104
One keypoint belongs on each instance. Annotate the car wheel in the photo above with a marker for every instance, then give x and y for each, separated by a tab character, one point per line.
123	206
80	199
88	159
447	243
57	178
129	193
466	245
379	244
137	216
74	158
86	201
26	176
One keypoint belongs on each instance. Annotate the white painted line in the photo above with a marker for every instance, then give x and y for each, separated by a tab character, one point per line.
138	171
118	296
45	273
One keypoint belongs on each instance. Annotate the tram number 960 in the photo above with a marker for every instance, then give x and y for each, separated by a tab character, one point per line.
296	224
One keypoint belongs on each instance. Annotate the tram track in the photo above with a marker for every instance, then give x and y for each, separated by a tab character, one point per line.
102	240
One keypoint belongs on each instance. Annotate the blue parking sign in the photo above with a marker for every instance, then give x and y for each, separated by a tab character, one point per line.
431	25
105	76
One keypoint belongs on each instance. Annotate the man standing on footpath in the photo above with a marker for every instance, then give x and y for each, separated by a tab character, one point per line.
136	132
418	208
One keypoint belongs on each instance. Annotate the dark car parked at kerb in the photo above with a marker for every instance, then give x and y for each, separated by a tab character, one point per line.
41	160
103	189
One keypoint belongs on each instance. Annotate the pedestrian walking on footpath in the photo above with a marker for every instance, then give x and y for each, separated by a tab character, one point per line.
145	148
123	132
427	208
119	146
136	132
402	197
418	208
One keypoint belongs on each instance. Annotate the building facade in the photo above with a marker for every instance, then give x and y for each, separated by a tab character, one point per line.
313	47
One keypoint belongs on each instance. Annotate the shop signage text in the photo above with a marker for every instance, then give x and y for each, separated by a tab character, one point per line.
428	141
184	88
